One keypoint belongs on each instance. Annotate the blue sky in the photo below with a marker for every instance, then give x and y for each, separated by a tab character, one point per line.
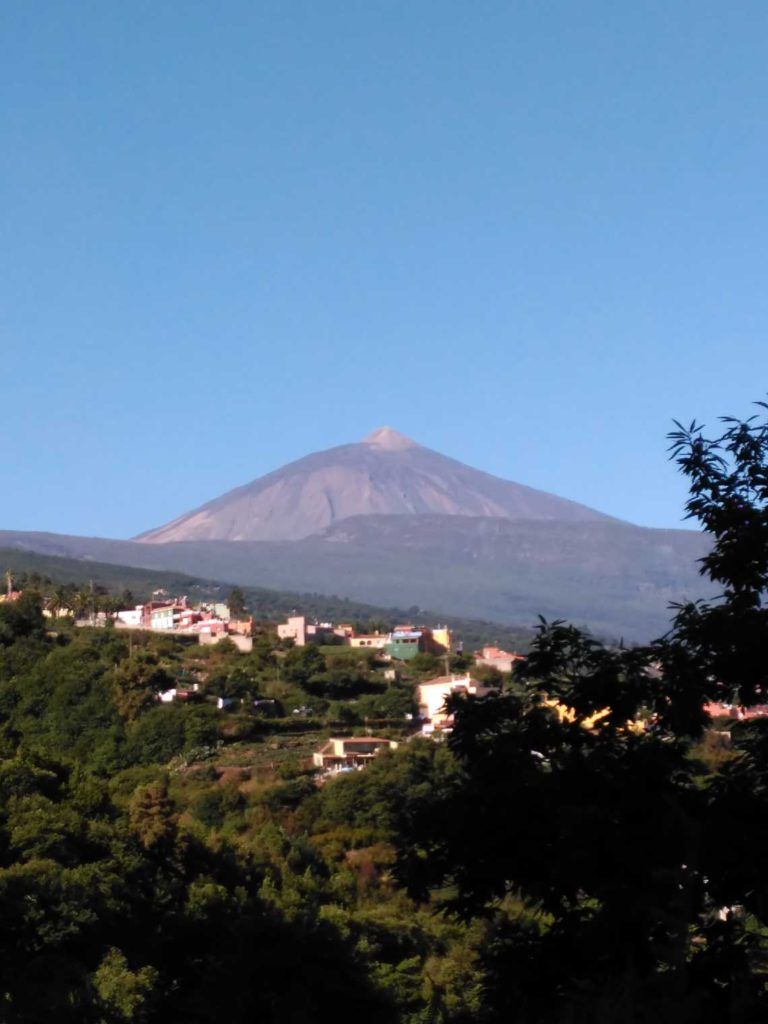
526	234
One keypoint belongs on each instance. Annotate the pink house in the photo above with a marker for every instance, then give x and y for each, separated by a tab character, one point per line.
495	657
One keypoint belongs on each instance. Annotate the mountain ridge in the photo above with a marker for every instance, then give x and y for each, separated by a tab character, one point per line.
615	578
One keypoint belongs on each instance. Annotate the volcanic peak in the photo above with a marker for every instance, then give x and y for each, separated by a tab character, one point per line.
389	439
385	474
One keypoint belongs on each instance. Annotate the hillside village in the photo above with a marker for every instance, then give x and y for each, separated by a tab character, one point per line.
395	648
391	653
422	665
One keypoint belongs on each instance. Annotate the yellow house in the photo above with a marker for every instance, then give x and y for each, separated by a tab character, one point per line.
441	635
346	753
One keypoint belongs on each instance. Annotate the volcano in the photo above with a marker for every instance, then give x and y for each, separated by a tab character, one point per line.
385	474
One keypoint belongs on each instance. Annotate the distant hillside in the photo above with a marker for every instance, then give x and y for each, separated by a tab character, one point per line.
615	578
270	605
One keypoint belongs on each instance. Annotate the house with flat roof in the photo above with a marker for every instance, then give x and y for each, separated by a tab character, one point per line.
495	657
432	695
349	753
404	644
377	641
299	629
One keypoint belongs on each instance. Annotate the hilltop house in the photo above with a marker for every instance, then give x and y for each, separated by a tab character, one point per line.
404	642
210	623
302	632
495	657
431	697
376	641
348	753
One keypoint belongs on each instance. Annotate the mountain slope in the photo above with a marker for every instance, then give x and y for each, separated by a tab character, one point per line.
385	474
617	579
262	602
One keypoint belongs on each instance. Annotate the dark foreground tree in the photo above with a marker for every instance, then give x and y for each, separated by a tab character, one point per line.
110	918
624	878
236	603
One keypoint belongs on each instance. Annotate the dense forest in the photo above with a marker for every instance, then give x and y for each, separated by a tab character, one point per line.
587	846
178	862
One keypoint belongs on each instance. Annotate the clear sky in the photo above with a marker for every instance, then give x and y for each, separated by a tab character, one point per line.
526	234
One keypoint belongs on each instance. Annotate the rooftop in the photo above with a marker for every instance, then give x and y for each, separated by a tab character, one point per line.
445	680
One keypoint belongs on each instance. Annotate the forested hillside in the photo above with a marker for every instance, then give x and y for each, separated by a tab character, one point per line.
265	604
178	863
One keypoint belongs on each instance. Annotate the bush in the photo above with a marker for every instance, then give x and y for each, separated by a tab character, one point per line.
425	664
157	736
21	618
200	727
300	663
215	804
396	702
342	684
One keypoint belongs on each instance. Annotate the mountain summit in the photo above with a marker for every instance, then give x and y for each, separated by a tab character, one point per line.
384	474
387	437
389	522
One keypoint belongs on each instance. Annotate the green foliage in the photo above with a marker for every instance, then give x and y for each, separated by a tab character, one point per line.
151	815
157	736
425	664
21	618
148	858
342	683
200	726
382	797
123	993
637	864
137	681
236	603
301	663
124	917
394	703
64	701
214	805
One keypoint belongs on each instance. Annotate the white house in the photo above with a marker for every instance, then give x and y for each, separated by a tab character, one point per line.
432	695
